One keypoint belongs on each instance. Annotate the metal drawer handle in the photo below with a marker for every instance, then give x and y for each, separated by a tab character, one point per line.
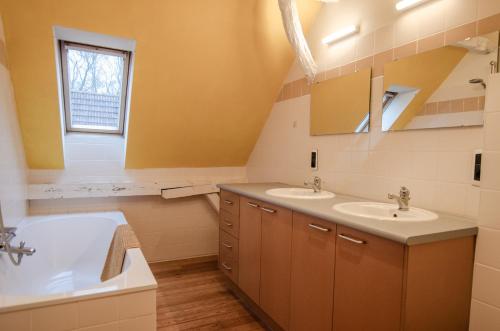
356	241
228	268
251	204
320	228
228	224
268	210
227	245
228	202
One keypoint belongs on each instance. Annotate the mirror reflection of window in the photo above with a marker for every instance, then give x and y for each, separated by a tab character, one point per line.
440	88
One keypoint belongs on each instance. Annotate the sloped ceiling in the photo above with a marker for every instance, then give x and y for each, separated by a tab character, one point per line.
206	74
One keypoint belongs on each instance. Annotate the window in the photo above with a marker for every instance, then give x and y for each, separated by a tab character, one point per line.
95	87
389	96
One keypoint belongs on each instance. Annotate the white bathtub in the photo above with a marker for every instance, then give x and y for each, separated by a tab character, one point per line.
70	253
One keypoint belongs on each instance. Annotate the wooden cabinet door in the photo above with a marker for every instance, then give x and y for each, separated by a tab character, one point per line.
368	282
313	266
249	250
275	263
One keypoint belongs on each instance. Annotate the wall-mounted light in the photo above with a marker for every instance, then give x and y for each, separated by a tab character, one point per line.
407	4
340	34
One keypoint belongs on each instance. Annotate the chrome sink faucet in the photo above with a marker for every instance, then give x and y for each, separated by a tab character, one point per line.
315	184
403	199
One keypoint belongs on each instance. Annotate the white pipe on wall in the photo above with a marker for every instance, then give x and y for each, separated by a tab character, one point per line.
295	34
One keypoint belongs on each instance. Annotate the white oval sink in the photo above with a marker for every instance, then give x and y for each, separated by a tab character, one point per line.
299	193
384	212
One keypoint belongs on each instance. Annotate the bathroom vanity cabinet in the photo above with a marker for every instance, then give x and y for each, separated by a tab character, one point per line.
250	243
304	273
312	276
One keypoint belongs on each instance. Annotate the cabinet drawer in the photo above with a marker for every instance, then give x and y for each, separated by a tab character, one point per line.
228	263
230	202
228	245
229	223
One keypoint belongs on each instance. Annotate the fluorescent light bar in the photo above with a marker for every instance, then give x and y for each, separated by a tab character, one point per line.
340	34
407	4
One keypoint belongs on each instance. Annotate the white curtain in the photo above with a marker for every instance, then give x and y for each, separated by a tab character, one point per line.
295	35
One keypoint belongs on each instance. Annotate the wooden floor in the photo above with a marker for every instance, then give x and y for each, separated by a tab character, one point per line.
192	296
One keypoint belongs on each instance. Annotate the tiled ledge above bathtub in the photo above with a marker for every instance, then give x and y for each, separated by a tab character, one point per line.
300	87
104	190
94	182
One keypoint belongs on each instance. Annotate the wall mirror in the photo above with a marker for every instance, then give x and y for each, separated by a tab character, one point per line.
441	88
341	105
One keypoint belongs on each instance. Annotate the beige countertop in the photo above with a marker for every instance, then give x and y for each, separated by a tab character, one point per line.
409	233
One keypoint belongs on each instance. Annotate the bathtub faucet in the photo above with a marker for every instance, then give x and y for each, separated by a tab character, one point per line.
6	236
5	247
10	232
20	250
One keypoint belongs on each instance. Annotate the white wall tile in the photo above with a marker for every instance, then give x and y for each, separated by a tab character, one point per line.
12	161
485	311
472	202
484	317
432	18
97	311
455	167
492	96
406	27
55	318
18	321
492	132
143	323
490	176
359	162
489	215
423	193
459	12
425	165
103	327
487	247
451	198
485	286
365	45
384	39
136	304
487	8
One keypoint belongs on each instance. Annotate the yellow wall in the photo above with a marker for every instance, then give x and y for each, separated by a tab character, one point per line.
339	105
436	64
206	74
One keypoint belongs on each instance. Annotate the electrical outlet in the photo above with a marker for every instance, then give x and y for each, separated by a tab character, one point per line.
314	159
476	181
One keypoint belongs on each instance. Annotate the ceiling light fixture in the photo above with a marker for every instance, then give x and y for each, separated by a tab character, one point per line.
340	34
407	4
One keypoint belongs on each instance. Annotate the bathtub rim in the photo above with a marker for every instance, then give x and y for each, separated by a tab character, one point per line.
136	277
